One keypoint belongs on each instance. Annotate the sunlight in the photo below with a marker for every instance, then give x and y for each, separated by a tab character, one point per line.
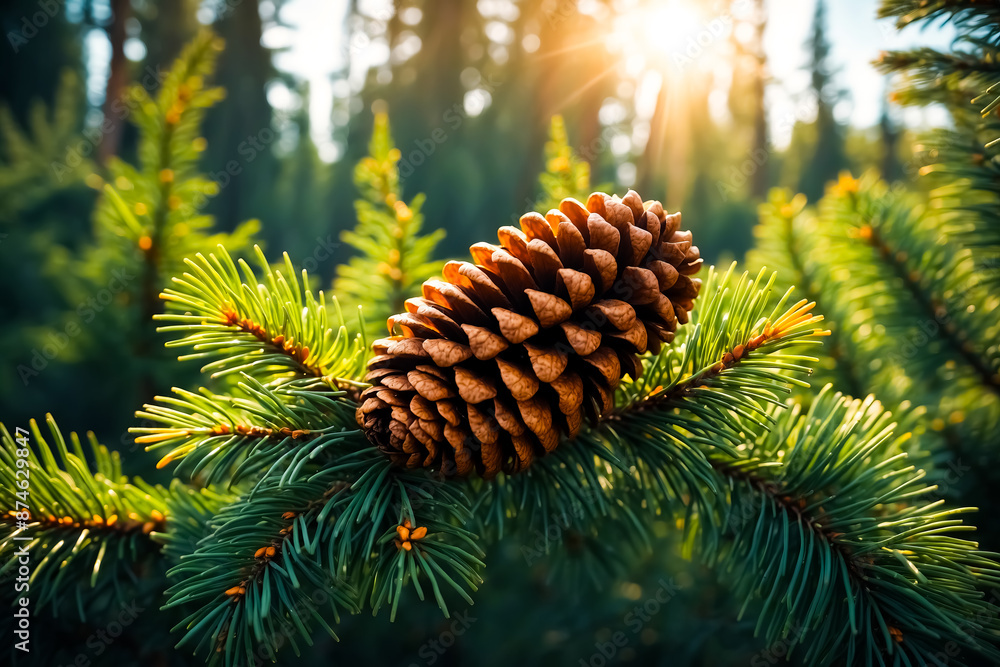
670	25
669	35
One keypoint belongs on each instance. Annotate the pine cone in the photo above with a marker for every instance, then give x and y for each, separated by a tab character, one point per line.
503	357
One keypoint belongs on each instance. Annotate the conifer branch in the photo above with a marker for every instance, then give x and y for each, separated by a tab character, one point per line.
722	342
259	430
834	487
817	515
931	306
257	580
33	158
93	525
864	213
347	527
429	544
651	450
960	162
274	329
149	218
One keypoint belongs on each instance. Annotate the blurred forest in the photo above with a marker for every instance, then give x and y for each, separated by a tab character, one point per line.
482	97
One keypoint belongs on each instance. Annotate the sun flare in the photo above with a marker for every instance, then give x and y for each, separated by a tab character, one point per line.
669	34
671	24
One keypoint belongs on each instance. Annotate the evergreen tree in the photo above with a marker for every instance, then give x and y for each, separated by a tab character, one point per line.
487	160
166	28
40	157
819	145
394	258
750	78
148	219
961	160
890	134
903	280
593	382
47	188
302	187
815	514
118	76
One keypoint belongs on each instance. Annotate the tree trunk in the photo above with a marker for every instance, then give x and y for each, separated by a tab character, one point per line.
117	78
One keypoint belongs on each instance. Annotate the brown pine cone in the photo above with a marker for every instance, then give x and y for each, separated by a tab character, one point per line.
502	358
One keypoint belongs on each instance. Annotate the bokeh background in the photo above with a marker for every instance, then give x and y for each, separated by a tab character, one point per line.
705	105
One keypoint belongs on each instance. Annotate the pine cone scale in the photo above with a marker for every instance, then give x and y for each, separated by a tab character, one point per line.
501	359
